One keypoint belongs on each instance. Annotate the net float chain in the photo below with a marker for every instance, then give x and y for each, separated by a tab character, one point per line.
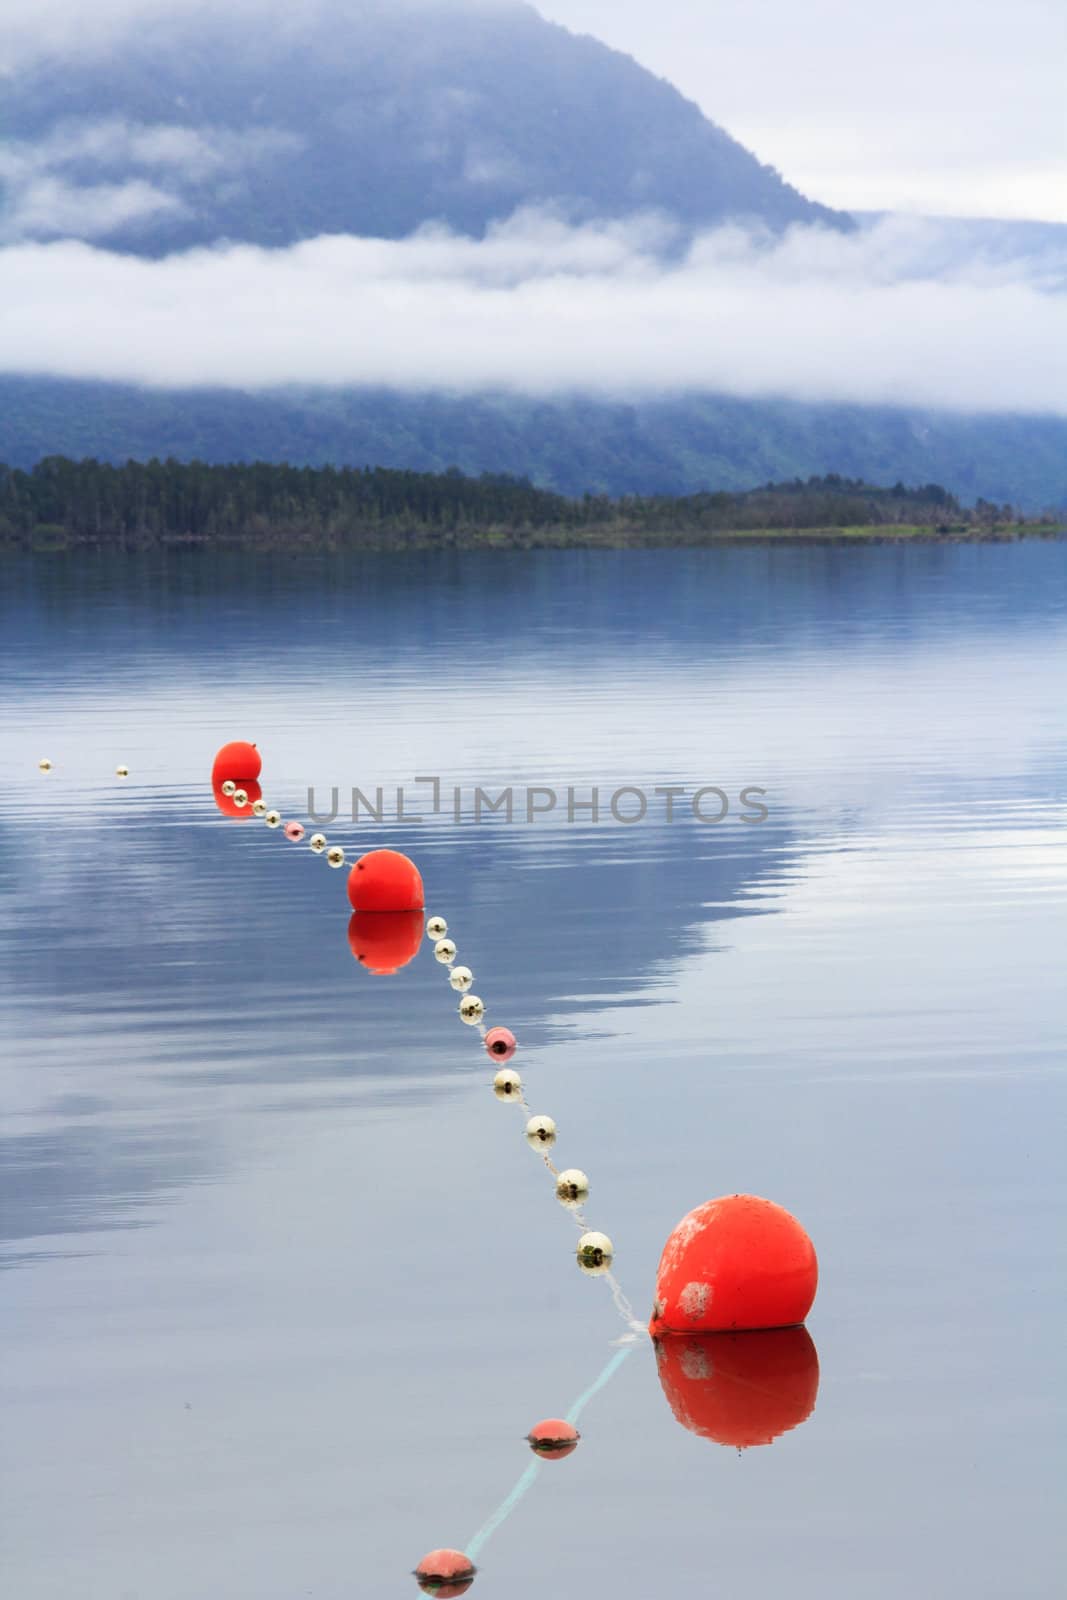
385	890
738	1263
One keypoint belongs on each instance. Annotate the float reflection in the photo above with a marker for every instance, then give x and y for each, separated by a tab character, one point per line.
238	811
385	941
740	1389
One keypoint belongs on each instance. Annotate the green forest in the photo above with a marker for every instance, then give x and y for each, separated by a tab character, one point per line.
61	502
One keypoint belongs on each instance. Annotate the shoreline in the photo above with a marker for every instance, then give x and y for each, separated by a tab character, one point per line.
373	540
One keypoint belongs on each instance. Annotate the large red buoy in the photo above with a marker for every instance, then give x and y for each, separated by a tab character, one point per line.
238	760
445	1572
384	880
385	941
734	1263
740	1389
226	804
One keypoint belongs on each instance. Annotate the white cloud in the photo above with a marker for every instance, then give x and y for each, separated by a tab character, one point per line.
47	195
49	207
890	315
192	153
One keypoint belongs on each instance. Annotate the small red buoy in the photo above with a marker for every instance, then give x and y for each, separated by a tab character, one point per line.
500	1043
384	880
553	1438
385	941
445	1572
238	760
732	1264
740	1389
226	804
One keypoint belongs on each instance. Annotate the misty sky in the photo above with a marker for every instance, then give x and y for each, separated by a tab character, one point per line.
952	107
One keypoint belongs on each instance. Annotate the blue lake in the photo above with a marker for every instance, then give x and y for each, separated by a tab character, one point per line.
285	1288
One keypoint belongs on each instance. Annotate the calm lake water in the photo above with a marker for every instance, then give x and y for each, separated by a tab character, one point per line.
285	1287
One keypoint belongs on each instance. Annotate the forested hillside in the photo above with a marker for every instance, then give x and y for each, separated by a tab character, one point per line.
571	444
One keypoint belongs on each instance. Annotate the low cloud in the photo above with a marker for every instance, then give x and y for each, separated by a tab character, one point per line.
158	146
900	313
57	186
49	207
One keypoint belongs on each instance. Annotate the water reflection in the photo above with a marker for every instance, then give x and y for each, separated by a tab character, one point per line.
740	1389
239	1176
444	1573
188	957
385	941
443	1590
238	808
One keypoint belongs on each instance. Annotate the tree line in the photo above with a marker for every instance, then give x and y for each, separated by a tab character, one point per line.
174	501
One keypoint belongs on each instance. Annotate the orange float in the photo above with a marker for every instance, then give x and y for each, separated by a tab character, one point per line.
385	880
445	1573
733	1264
740	1389
385	941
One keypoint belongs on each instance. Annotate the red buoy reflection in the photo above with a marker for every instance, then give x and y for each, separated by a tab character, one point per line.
225	801
740	1389
553	1439
385	941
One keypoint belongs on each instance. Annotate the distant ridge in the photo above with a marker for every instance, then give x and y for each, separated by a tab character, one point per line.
572	445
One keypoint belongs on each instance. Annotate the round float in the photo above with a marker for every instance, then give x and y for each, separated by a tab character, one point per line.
500	1043
554	1438
238	760
385	880
736	1263
445	1572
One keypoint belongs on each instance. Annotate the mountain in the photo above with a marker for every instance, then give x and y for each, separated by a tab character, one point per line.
376	117
370	119
653	446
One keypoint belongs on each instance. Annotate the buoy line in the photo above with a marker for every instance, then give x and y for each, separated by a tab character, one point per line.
384	881
736	1264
